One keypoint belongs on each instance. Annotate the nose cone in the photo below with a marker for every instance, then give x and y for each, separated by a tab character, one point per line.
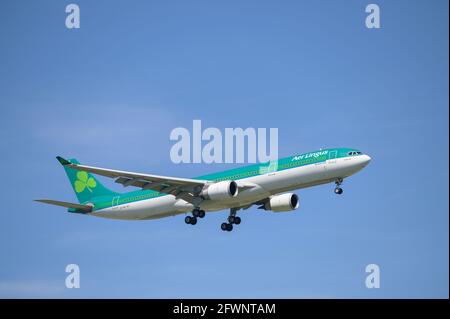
365	159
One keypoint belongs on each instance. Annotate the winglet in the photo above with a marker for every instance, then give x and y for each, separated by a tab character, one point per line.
62	161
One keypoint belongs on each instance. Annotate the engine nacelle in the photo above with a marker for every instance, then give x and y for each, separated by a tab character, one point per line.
282	203
221	190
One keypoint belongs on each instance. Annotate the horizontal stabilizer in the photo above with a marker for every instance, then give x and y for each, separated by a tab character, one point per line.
83	208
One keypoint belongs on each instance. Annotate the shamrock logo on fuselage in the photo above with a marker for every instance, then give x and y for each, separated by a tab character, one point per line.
84	181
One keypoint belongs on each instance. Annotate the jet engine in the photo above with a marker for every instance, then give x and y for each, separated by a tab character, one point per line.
282	203
220	190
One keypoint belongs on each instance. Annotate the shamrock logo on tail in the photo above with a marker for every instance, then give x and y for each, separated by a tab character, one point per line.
84	181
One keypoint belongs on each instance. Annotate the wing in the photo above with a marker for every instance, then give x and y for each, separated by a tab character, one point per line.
184	188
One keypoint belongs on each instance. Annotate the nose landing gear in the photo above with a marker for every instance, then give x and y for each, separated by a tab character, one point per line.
338	190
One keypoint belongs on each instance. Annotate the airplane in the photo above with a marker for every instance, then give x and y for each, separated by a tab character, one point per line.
265	185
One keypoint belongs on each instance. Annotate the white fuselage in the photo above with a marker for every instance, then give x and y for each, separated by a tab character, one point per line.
263	186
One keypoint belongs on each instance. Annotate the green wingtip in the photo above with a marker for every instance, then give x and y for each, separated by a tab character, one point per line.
62	160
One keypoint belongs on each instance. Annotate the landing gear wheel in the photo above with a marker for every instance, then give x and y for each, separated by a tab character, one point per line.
224	226
193	220
196	212
229	227
201	213
237	220
338	190
231	219
187	219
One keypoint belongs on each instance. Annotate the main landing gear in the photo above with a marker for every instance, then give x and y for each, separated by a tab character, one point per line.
196	213
338	190
232	219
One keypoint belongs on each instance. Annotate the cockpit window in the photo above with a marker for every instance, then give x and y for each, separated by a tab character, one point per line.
354	153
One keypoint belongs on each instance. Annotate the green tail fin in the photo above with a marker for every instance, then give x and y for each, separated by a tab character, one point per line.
85	185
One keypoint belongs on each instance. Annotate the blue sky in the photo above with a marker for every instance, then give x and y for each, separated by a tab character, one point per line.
110	93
